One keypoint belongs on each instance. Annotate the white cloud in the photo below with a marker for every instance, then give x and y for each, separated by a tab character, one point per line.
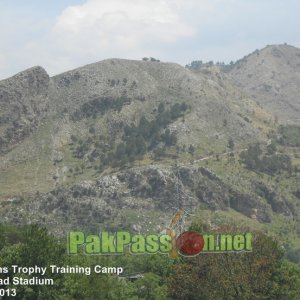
121	28
100	29
172	30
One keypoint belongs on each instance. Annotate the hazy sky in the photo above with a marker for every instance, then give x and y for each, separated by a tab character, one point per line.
64	34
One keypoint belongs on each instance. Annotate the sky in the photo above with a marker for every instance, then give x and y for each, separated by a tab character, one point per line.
60	35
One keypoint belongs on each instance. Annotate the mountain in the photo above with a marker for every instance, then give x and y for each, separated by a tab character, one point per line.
41	114
124	144
271	76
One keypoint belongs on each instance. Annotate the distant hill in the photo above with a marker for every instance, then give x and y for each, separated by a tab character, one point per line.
272	77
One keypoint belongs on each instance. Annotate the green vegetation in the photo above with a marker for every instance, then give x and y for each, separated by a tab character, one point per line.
199	65
99	105
261	274
289	135
147	135
279	191
257	275
136	140
152	59
29	246
270	164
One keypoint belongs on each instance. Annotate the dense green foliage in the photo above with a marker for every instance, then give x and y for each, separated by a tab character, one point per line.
147	135
199	65
152	59
261	274
136	140
99	105
257	275
270	162
29	246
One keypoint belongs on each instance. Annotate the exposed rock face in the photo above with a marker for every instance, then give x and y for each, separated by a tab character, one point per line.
24	102
152	188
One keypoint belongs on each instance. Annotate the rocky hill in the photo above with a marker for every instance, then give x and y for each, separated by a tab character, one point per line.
123	144
272	77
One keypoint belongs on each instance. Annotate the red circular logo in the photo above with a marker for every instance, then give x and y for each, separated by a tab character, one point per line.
190	243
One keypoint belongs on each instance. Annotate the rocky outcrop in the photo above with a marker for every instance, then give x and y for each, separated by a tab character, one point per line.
154	188
23	102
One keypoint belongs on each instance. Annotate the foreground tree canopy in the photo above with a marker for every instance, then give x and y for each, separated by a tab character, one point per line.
261	274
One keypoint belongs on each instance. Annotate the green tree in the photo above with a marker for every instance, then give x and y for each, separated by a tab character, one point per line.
271	149
286	282
161	108
38	248
231	144
251	157
150	287
229	275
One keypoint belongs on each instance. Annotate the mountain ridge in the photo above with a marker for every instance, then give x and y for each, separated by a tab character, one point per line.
109	139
